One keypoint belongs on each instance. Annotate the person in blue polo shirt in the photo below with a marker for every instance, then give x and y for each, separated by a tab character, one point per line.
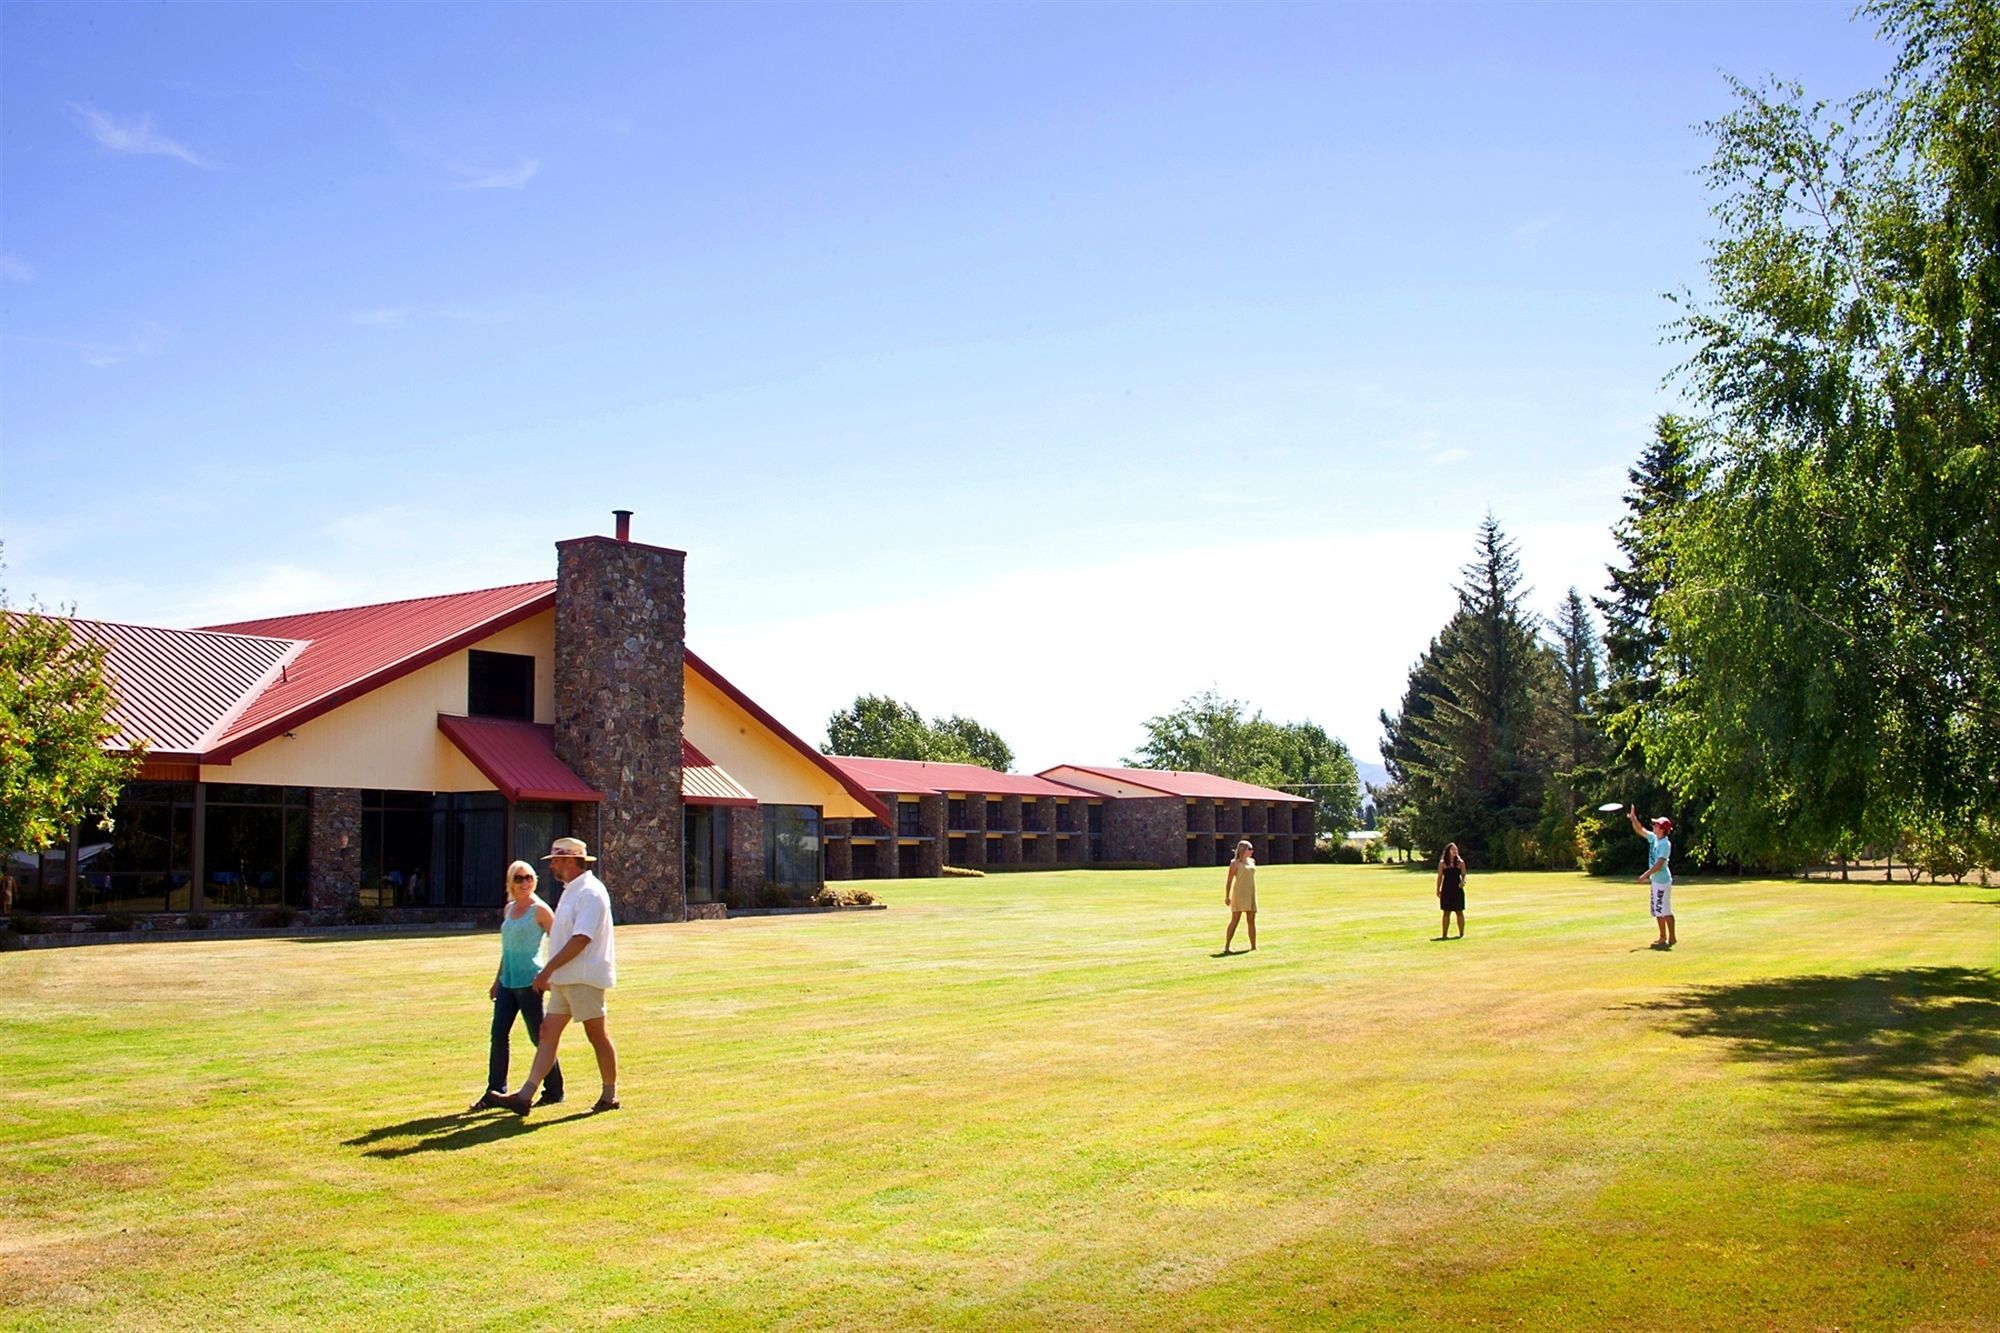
1659	849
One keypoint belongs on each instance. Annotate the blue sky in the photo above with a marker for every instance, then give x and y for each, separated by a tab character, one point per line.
1041	363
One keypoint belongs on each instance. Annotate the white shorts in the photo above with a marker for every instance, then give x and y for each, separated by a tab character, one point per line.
1663	900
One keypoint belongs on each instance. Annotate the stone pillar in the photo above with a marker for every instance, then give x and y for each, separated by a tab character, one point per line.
932	819
746	853
1152	829
620	637
333	849
839	849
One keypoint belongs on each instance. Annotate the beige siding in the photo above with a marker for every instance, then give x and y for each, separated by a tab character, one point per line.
388	737
773	771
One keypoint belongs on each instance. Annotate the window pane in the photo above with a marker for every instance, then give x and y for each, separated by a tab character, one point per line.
246	856
500	685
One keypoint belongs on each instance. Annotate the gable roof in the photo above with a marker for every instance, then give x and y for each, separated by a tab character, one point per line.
351	651
178	689
926	778
784	733
1174	782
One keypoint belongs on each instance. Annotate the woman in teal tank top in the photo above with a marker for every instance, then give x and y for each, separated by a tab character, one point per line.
524	935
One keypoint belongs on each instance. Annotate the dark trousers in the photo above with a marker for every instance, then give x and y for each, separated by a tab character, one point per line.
527	1002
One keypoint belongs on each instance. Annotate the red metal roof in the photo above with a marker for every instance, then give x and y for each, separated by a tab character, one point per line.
922	777
519	758
178	689
1172	782
352	651
785	734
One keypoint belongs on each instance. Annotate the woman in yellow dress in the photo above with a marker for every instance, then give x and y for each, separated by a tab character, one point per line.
1240	892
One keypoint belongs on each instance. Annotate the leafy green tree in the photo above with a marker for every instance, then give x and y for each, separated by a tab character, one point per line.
981	744
1211	734
884	728
1476	742
1831	676
56	726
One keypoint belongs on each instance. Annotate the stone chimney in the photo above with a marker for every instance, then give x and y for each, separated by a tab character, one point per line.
621	621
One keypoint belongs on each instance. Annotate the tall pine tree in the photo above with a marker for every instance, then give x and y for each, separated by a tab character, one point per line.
1635	643
1472	748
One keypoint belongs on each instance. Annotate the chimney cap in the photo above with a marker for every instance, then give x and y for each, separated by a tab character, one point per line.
624	520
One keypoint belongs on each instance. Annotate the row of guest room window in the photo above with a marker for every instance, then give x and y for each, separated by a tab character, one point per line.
418	849
1044	816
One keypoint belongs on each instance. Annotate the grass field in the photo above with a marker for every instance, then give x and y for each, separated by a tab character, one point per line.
1041	1100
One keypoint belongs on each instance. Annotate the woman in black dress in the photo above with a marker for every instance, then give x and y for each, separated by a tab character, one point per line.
1451	891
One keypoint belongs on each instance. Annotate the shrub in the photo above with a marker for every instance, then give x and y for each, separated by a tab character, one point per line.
828	895
360	914
1347	854
27	923
196	921
962	872
114	922
1371	851
279	917
773	895
860	897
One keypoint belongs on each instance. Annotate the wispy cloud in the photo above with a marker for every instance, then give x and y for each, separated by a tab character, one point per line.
505	178
150	340
1530	230
134	136
1451	456
13	268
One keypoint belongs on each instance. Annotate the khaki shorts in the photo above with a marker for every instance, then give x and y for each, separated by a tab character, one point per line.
582	1003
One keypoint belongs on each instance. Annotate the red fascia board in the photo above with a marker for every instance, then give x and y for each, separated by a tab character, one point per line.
375	680
777	728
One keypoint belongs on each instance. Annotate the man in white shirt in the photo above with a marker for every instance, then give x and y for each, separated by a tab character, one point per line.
582	966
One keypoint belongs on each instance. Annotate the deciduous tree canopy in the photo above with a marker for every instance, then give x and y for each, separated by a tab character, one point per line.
1211	734
55	719
884	728
1829	671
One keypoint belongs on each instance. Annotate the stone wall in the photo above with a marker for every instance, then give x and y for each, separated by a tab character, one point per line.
1149	828
333	848
620	637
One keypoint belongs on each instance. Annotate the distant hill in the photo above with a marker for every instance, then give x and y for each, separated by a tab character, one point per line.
1371	772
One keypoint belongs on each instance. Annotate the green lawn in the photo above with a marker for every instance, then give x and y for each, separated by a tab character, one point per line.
1041	1100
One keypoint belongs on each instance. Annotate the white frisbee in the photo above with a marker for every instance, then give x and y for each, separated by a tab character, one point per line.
1609	806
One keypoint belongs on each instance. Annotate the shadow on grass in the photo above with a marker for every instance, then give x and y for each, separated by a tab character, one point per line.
1889	1050
449	1133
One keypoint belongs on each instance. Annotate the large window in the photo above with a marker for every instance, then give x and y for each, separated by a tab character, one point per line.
449	849
500	685
41	879
701	838
142	863
909	819
254	846
791	845
395	848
